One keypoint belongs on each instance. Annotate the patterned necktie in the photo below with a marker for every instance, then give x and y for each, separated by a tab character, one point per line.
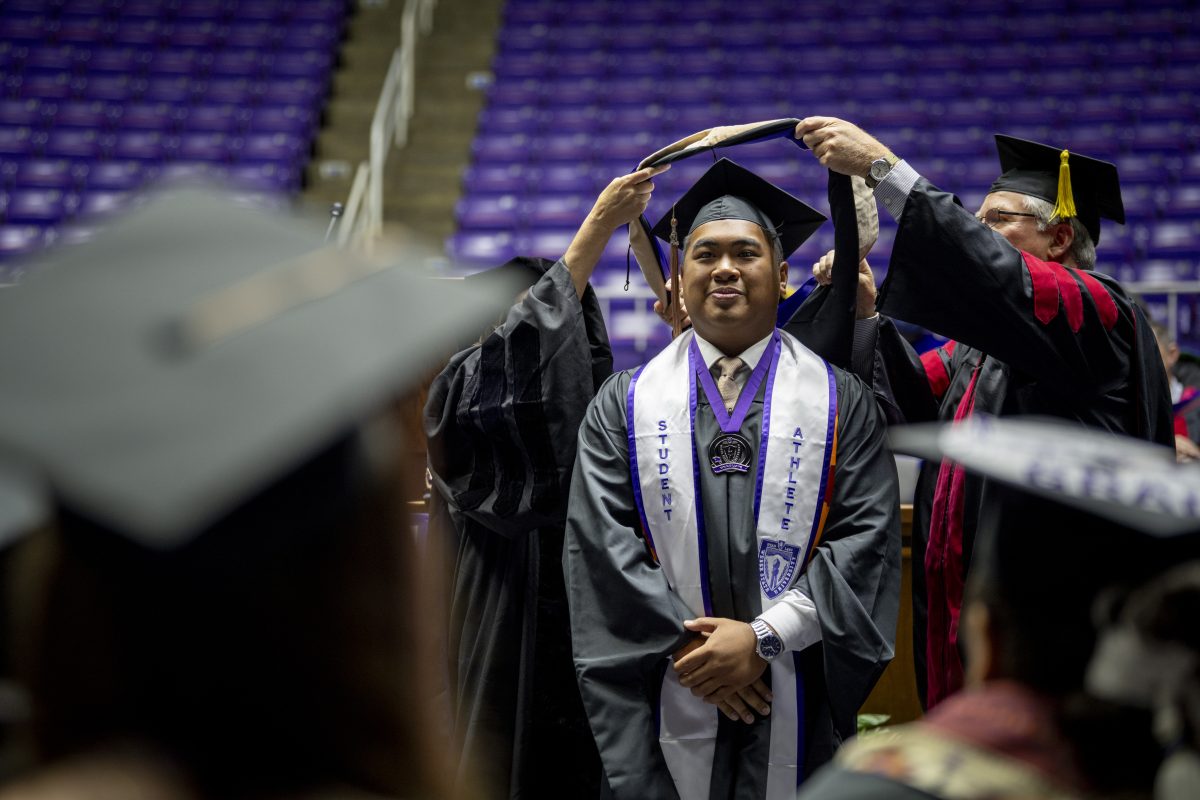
725	369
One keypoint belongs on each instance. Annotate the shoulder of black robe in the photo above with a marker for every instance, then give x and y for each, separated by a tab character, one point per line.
1075	332
853	577
625	620
502	417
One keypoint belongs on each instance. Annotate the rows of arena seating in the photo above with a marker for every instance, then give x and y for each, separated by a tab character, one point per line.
100	98
582	91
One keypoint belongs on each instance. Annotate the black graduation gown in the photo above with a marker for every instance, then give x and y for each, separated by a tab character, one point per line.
1028	337
626	621
502	422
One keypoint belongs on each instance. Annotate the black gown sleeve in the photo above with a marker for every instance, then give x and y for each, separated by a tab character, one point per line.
854	575
1071	330
625	619
502	417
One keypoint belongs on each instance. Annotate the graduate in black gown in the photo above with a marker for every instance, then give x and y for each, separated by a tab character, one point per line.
502	420
707	589
1059	688
1033	330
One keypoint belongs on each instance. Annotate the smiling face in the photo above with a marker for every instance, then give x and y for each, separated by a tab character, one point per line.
731	285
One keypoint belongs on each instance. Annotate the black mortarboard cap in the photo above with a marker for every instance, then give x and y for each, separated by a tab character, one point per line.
1133	484
1066	513
730	191
197	352
1081	187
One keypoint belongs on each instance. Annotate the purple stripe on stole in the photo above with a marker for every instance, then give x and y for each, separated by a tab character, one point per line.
633	465
800	742
705	592
812	536
774	353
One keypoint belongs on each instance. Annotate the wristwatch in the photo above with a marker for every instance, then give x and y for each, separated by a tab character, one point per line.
769	646
880	168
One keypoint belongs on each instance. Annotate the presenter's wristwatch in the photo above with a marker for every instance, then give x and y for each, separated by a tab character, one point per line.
880	168
769	646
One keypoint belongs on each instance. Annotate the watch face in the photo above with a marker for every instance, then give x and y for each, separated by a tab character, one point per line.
880	169
770	646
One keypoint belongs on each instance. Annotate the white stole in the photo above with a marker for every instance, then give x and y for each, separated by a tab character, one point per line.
793	457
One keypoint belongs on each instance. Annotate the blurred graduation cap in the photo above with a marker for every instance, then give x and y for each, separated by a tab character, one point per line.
1067	515
1133	484
1078	186
196	352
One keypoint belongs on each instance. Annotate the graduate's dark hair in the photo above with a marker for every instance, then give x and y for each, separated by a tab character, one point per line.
271	656
1038	568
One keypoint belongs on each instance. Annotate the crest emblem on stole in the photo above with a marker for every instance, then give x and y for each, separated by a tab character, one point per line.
776	566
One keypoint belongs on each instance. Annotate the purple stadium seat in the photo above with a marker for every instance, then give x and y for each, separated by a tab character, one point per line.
569	178
137	31
1174	240
292	92
214	118
74	143
269	177
118	60
481	248
188	172
51	57
485	211
197	33
239	62
48	86
203	9
501	179
1141	202
557	211
203	146
111	87
16	141
1142	168
549	244
36	207
21	113
502	149
162	117
44	173
300	121
168	89
174	61
1163	137
95	115
505	119
84	29
310	36
94	204
309	64
250	33
116	175
230	91
20	240
272	147
23	28
139	145
1179	107
1183	202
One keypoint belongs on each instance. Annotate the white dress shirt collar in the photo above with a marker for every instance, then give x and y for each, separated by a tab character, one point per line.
751	355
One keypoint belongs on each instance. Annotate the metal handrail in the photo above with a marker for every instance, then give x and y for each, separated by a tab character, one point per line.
362	222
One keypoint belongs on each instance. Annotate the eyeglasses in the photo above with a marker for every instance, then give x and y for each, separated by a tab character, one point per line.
994	216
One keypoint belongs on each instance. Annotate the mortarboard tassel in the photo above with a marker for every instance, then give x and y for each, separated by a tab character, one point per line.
1064	208
676	314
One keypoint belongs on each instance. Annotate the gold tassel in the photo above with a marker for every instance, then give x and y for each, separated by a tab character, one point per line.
676	314
1064	208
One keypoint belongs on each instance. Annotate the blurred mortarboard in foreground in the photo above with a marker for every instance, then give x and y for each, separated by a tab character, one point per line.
1134	484
1067	514
197	351
1078	186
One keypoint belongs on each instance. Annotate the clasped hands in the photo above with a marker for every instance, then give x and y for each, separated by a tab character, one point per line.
721	666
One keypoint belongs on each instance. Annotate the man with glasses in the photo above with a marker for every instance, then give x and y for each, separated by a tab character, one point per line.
1032	329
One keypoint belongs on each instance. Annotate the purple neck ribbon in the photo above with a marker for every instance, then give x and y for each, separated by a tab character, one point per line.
732	422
